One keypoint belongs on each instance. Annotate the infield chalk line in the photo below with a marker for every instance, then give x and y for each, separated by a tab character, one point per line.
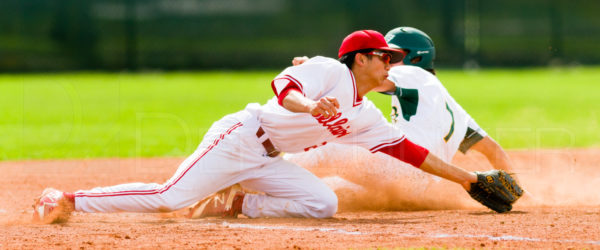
320	229
437	236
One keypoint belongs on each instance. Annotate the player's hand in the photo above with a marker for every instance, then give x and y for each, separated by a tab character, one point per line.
299	60
326	106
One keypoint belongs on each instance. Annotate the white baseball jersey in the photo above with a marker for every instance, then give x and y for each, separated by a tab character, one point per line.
430	117
358	121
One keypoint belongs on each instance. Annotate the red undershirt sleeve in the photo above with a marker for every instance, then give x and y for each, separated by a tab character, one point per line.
406	151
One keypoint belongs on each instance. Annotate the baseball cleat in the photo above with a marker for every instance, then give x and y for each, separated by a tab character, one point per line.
51	207
225	203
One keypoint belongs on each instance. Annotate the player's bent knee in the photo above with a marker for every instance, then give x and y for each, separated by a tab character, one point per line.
329	206
329	210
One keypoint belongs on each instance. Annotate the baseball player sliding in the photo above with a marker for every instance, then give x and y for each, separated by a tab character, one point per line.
422	108
319	102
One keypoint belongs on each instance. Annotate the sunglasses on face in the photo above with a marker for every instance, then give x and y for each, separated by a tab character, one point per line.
385	57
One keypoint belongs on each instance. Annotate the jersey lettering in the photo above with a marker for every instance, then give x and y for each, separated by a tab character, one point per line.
311	147
336	128
315	146
394	114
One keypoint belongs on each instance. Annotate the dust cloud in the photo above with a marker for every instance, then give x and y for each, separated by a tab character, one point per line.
377	182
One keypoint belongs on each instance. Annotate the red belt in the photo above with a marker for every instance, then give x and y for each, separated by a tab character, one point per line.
267	144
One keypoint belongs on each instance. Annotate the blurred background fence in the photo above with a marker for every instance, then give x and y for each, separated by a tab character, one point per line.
55	35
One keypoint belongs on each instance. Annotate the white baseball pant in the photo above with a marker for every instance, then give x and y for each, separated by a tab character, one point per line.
229	153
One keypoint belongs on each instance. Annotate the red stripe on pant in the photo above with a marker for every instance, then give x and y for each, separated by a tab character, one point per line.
165	188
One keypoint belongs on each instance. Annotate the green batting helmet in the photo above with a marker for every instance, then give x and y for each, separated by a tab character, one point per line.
417	44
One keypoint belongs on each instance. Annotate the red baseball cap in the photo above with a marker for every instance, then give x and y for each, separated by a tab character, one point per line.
368	39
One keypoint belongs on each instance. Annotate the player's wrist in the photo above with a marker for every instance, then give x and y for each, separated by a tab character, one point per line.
472	177
466	185
311	107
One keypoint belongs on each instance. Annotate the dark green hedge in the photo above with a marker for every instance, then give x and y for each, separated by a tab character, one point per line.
40	35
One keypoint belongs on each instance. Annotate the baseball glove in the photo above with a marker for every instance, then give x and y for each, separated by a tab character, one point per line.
496	190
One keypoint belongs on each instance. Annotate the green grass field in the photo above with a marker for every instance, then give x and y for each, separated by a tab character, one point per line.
90	115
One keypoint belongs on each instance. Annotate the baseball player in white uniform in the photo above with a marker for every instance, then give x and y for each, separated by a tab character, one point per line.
422	108
319	102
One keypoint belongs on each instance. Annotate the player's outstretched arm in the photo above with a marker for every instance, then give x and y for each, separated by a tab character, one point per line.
494	153
436	166
499	159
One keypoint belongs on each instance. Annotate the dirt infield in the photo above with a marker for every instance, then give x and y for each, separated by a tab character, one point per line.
563	213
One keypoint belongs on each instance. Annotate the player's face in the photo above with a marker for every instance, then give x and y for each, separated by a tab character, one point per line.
379	65
385	57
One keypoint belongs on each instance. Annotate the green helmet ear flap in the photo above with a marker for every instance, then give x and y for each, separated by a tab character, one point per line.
418	45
